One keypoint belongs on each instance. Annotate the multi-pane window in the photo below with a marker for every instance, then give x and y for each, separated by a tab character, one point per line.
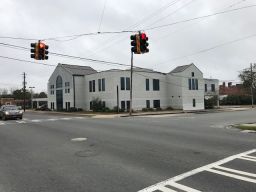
127	105
192	84
125	83
59	82
147	84
67	105
205	87
92	86
156	103
194	102
52	105
67	90
52	89
213	87
156	86
101	84
123	105
67	84
147	103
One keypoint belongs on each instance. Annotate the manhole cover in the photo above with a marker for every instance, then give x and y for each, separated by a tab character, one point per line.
86	153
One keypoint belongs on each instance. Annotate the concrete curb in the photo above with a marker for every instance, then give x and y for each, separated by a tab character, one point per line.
106	116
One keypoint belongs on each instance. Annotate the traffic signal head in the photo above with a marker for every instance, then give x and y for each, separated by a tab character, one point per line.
135	43
143	43
34	51
43	51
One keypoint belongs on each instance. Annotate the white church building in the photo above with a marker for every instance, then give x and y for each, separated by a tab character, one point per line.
77	86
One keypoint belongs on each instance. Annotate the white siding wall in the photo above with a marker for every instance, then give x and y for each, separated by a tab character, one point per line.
209	83
79	92
140	95
174	91
66	77
189	95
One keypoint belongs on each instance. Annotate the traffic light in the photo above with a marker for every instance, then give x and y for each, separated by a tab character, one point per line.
43	51
39	51
46	52
143	43
34	51
135	43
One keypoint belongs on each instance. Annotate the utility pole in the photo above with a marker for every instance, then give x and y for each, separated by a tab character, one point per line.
31	90
252	76
117	98
24	91
130	113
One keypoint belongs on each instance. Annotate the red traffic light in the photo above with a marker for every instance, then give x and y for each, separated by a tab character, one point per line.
41	45
143	36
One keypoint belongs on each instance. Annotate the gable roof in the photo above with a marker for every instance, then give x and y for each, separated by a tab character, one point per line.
180	68
77	69
183	68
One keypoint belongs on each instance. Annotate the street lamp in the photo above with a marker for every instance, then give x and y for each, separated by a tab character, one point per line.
31	88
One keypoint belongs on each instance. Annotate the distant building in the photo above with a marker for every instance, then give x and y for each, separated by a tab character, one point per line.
211	89
7	101
77	86
230	89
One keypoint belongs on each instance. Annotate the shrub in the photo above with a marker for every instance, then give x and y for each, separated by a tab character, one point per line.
211	102
169	108
97	105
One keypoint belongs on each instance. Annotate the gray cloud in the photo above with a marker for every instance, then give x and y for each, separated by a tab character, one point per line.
47	18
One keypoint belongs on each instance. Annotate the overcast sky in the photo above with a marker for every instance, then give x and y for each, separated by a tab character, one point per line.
169	46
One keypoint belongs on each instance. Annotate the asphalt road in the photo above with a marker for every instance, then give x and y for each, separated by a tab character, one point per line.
127	154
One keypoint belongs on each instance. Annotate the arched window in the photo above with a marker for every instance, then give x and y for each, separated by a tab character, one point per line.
59	82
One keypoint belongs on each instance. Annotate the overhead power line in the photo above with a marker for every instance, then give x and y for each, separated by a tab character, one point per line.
131	31
211	48
26	61
200	17
102	14
68	56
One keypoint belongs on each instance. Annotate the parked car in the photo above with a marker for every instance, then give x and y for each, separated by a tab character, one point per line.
43	108
10	112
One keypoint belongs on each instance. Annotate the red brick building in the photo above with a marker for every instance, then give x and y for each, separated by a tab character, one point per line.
230	89
7	101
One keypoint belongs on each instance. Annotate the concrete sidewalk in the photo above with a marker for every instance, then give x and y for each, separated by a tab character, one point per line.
114	115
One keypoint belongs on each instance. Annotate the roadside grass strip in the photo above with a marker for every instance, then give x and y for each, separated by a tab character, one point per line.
172	185
249	126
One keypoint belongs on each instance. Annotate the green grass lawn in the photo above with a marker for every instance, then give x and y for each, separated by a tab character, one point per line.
246	127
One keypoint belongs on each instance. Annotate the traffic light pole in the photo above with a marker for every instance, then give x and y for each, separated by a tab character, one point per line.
24	91
130	112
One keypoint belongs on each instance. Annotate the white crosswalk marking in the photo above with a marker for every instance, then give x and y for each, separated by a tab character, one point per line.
215	168
52	119
248	159
232	175
21	121
36	120
236	171
79	117
66	118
